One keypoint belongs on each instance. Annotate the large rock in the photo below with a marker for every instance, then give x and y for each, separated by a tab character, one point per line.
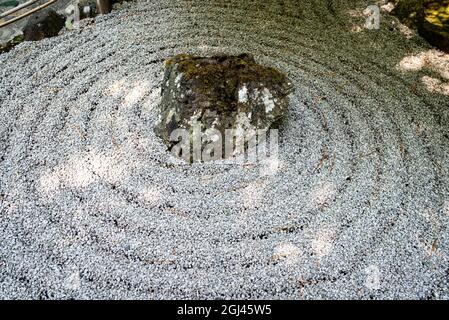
43	24
219	93
434	26
429	17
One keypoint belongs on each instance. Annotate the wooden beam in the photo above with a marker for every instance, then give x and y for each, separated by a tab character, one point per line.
27	13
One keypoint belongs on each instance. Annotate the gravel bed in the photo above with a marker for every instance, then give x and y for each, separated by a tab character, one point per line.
355	207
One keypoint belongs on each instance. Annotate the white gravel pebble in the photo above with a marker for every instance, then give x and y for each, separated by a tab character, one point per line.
92	205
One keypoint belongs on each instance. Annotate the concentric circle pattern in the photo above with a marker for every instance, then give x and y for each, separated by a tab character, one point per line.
356	206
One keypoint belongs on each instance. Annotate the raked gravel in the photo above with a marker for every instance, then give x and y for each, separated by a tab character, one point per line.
93	206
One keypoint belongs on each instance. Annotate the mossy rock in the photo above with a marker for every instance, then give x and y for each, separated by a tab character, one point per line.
220	93
429	17
44	24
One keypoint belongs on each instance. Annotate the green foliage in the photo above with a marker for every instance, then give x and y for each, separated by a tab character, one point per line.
9	3
11	44
429	17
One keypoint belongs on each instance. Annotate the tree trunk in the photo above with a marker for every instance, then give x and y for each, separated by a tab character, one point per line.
103	6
